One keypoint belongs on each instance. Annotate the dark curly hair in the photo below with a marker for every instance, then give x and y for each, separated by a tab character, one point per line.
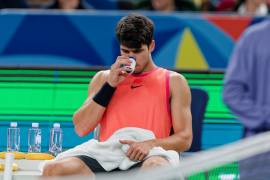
134	30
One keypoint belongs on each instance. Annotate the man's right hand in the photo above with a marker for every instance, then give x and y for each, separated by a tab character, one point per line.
117	73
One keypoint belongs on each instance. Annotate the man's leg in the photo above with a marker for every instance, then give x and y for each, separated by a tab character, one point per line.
154	161
67	166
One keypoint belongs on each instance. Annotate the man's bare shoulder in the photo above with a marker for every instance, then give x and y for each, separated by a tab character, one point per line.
176	77
98	80
179	87
101	76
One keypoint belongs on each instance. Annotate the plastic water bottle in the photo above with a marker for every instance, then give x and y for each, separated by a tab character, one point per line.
55	146
34	138
13	137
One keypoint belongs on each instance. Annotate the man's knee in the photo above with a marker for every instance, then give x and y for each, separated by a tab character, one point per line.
69	166
154	161
52	169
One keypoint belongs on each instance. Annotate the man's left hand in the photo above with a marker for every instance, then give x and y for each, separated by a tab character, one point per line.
138	150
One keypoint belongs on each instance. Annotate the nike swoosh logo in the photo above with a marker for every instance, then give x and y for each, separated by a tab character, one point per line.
133	87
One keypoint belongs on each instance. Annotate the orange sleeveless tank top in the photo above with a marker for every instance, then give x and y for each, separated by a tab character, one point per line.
140	101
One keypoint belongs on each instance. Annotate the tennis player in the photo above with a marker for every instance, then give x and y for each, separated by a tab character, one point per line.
151	98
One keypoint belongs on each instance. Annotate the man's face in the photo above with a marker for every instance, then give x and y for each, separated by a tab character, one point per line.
142	55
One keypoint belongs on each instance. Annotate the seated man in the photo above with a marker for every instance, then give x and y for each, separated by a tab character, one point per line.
150	98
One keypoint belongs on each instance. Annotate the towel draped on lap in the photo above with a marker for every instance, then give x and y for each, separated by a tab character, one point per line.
111	154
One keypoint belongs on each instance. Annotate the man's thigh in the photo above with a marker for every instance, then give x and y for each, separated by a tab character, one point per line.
95	167
67	166
91	163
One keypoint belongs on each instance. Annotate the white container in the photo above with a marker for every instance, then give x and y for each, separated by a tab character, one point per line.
13	138
34	138
56	135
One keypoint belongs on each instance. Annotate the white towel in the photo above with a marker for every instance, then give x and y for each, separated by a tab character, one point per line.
111	154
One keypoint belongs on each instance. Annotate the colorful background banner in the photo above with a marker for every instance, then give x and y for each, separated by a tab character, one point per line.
183	41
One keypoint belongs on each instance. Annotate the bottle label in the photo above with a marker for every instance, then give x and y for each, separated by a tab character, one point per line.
38	139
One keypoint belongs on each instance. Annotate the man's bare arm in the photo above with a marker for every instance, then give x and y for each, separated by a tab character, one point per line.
86	118
181	116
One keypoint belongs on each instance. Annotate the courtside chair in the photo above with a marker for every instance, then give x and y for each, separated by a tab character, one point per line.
198	107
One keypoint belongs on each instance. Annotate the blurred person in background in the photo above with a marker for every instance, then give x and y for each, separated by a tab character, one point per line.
246	92
252	7
167	5
12	4
207	5
69	5
40	4
217	5
126	4
163	5
226	5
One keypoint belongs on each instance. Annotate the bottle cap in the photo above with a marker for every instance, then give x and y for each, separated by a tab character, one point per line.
13	124
35	125
56	125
